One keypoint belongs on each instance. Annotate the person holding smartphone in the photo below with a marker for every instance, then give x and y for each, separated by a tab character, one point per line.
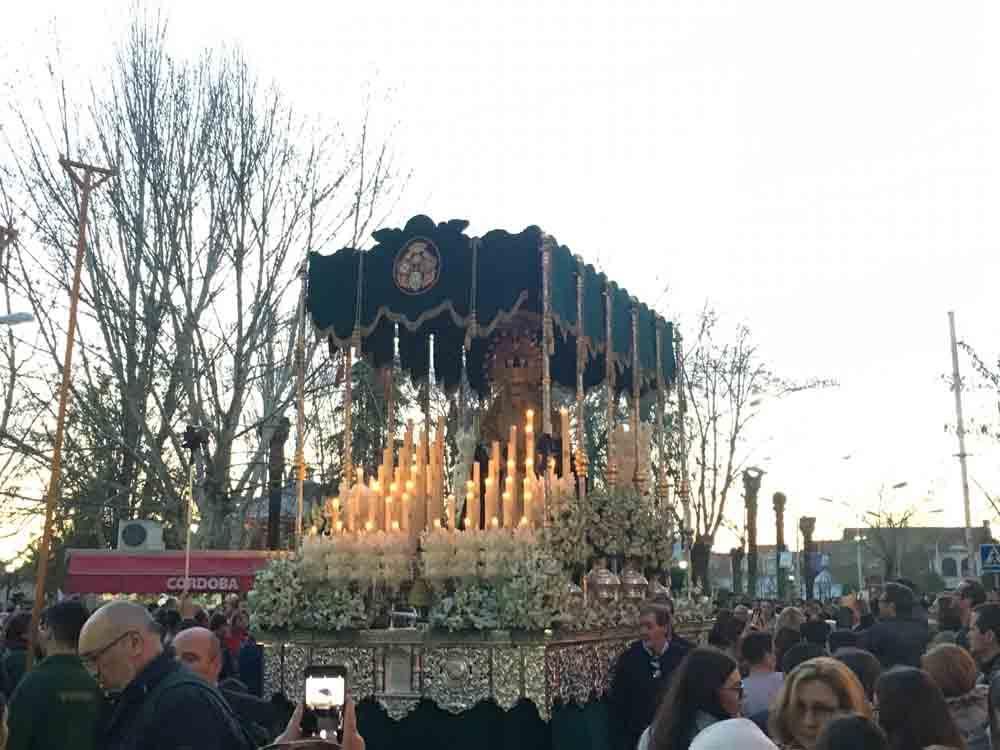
352	740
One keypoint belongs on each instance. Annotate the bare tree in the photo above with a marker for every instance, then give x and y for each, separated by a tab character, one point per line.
726	384
192	291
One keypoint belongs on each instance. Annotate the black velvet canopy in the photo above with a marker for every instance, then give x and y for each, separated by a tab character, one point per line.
433	278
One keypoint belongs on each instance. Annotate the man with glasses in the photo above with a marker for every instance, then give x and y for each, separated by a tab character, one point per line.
57	704
642	674
969	595
160	704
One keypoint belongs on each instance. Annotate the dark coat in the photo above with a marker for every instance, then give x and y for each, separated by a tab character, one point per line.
635	692
12	666
257	716
896	642
167	707
56	705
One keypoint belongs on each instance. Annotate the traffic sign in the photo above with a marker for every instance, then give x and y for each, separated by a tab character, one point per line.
989	558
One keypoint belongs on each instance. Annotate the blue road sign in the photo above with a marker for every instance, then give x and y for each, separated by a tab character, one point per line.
989	558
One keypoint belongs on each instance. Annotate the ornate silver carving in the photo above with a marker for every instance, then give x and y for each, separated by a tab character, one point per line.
508	663
456	671
398	708
293	671
272	668
533	679
360	663
457	678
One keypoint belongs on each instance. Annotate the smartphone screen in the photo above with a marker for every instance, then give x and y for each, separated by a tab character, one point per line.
326	688
324	693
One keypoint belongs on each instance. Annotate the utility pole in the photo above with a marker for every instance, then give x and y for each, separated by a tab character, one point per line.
956	386
91	179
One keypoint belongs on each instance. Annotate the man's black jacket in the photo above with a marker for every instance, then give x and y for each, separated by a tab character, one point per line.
635	692
167	707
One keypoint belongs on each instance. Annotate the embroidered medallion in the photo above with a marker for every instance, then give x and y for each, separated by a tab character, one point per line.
417	266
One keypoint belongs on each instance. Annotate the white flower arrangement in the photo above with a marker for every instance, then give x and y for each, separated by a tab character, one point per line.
275	596
472	606
331	608
620	522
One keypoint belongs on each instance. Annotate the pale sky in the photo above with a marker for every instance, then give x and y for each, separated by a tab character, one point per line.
828	173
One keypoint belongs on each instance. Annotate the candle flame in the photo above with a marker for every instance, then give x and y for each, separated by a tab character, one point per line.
495	522
395	525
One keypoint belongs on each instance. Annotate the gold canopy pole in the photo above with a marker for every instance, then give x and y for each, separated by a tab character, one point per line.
429	384
347	475
93	177
300	399
683	487
639	476
662	478
547	344
611	475
581	451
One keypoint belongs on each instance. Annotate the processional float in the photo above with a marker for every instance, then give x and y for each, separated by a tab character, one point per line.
484	509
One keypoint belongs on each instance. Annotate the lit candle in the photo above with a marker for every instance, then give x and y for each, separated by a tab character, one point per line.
491	494
388	513
369	526
437	524
405	512
524	522
338	527
508	511
494	523
395	525
477	505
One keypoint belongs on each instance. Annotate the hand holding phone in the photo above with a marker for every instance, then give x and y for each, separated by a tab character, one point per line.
326	694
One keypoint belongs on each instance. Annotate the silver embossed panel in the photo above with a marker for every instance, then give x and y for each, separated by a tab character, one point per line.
457	678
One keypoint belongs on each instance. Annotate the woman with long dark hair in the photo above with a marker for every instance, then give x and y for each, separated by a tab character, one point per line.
912	711
706	689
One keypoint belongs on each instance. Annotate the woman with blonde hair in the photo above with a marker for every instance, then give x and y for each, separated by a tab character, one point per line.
955	672
815	692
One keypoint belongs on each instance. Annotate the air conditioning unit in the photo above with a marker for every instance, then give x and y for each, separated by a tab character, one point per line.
140	536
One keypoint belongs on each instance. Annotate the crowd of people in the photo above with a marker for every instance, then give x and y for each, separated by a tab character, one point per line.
807	677
126	677
816	677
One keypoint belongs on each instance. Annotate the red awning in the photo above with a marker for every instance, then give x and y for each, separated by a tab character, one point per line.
105	572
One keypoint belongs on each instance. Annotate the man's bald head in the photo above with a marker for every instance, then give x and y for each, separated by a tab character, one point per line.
119	640
201	651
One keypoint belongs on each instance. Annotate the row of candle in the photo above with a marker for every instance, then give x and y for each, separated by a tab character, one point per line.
409	496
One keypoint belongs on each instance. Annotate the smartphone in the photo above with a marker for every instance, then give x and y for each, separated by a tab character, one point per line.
326	691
